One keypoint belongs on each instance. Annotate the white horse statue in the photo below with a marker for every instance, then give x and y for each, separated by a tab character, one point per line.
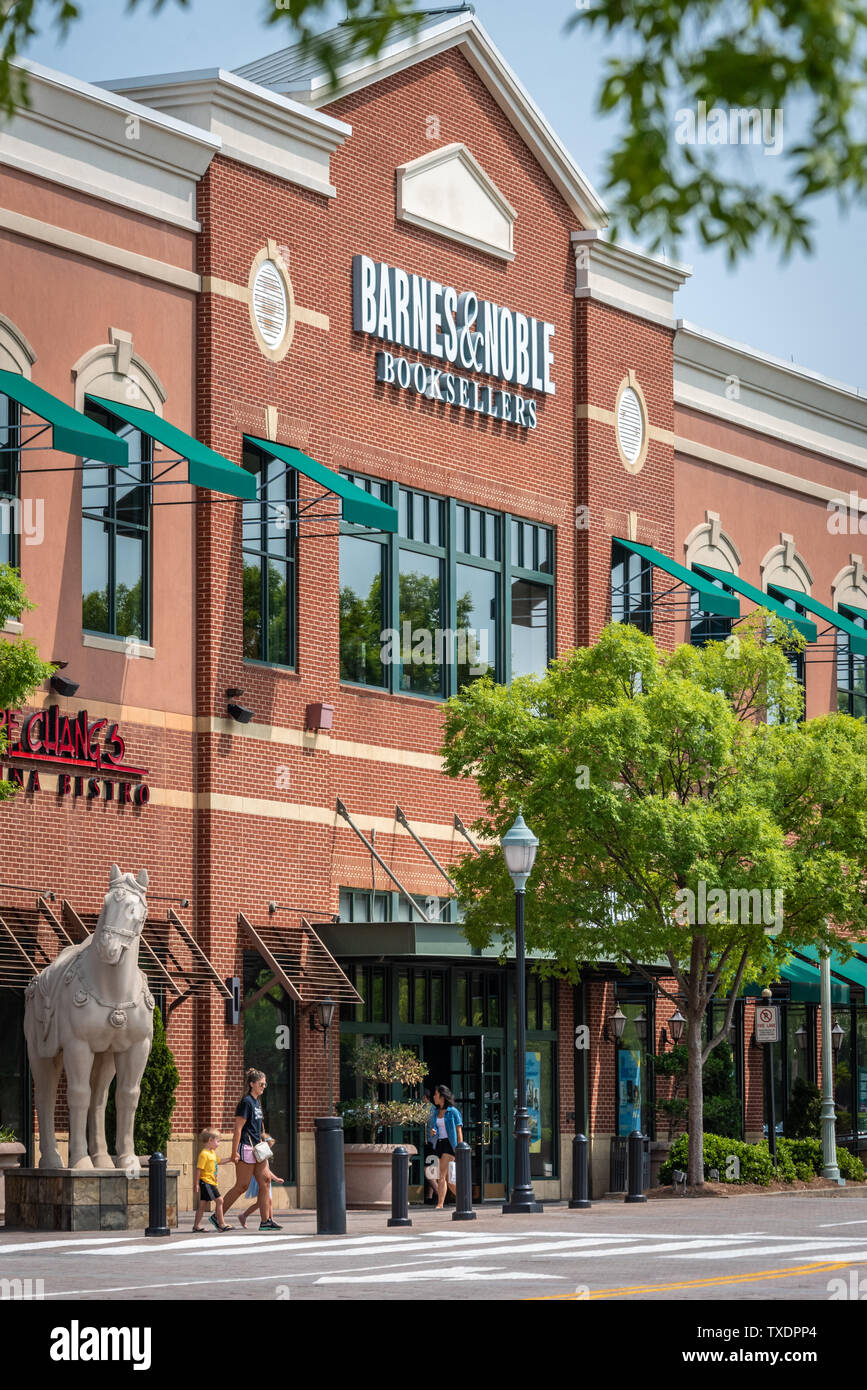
90	1011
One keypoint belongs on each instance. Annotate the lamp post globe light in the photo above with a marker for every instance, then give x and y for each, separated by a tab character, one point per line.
519	846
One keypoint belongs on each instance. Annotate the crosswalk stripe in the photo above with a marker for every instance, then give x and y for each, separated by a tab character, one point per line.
818	1247
458	1274
664	1246
72	1242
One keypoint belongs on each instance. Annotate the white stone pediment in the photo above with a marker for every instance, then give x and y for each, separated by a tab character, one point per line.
448	191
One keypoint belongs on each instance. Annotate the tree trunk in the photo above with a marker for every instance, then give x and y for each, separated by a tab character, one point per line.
695	1095
695	1162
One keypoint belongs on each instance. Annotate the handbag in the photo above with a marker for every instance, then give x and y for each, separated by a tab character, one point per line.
262	1150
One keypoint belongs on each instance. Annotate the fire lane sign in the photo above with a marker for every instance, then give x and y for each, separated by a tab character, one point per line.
768	1023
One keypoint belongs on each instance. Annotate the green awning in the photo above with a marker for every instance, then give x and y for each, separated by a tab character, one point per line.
711	598
358	506
734	581
71	432
857	635
803	982
854	969
205	468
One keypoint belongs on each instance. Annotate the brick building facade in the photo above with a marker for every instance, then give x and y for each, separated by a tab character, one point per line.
211	258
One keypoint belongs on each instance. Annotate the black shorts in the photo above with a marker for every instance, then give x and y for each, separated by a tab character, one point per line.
444	1147
207	1192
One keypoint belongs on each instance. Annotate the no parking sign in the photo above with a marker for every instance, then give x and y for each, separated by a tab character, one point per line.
767	1023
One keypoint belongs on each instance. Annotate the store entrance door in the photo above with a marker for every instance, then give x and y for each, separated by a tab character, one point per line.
477	1082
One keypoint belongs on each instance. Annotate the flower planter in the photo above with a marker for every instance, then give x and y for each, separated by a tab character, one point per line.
368	1175
10	1157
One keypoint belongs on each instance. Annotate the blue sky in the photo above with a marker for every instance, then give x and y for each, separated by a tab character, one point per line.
810	310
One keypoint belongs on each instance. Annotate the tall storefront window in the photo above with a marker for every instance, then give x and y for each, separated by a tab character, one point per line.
268	558
363	597
797	660
631	588
531	597
10	458
460	1020
269	1045
459	593
851	672
14	1072
116	537
706	627
845	1069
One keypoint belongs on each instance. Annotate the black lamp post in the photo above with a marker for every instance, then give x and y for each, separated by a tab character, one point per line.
325	1011
519	846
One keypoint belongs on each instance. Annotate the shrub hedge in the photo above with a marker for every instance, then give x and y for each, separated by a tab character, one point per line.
796	1159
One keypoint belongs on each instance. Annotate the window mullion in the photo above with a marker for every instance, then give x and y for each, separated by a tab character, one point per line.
507	598
449	609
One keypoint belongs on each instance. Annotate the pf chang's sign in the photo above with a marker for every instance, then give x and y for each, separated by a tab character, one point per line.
87	754
460	331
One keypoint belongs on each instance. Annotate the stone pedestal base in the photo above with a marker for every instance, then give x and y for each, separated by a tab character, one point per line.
100	1199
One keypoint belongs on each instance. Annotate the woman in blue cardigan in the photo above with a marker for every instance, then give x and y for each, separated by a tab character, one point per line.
445	1132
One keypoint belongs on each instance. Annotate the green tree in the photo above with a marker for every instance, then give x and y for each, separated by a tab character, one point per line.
646	775
21	668
153	1118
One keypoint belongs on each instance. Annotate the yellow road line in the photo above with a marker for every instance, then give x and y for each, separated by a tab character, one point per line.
630	1290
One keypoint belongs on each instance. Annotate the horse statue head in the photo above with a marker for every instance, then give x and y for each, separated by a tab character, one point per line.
123	914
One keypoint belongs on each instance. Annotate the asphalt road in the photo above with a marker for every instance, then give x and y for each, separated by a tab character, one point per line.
759	1248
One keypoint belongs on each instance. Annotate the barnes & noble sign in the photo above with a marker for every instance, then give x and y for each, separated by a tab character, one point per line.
460	330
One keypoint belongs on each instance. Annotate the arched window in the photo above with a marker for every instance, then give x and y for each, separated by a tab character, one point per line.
849	593
116	502
708	544
784	569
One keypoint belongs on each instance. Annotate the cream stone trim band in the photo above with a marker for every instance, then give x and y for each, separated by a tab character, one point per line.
321	815
586	411
94	250
791	481
226	289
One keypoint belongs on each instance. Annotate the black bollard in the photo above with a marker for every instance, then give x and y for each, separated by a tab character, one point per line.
330	1177
399	1188
635	1165
464	1183
580	1182
157	1196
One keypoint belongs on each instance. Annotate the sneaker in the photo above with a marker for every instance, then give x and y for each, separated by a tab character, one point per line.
269	1226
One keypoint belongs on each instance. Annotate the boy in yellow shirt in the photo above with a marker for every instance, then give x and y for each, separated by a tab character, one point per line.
206	1178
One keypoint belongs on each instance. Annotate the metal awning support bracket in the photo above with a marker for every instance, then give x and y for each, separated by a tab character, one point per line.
414	907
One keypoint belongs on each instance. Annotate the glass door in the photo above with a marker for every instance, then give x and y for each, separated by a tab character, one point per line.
477	1082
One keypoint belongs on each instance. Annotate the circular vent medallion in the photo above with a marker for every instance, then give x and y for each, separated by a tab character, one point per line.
631	425
270	304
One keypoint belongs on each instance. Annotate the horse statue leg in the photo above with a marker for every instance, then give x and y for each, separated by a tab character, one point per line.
46	1075
130	1067
100	1080
78	1064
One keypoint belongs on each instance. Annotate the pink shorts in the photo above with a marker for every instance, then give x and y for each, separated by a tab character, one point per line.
247	1155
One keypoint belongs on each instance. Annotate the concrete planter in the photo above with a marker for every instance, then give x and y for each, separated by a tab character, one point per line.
658	1154
368	1175
10	1157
